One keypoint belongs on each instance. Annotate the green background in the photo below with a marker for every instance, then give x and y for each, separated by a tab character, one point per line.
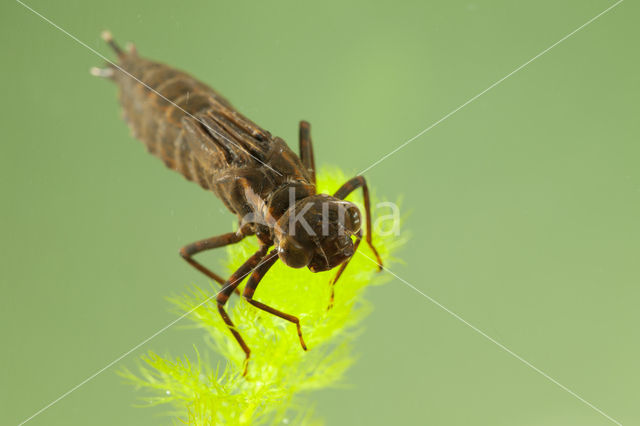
524	206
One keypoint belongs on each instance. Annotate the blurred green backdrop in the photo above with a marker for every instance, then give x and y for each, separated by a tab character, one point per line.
524	205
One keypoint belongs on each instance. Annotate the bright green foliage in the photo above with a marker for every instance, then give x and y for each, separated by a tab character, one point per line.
280	372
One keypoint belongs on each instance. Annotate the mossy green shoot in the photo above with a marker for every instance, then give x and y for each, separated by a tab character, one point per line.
280	374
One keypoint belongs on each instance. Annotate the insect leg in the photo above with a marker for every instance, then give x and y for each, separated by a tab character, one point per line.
306	150
250	288
207	244
229	288
346	189
342	268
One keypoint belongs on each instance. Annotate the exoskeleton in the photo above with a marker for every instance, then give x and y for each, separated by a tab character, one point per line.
196	132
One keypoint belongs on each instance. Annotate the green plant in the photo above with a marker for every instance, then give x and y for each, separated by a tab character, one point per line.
280	372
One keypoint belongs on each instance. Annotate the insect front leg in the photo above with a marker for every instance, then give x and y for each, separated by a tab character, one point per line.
306	150
342	268
346	189
230	287
250	289
208	244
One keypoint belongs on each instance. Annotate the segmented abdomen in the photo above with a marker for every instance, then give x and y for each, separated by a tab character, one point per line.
157	120
197	132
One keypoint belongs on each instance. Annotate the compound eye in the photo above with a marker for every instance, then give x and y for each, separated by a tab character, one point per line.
293	254
352	219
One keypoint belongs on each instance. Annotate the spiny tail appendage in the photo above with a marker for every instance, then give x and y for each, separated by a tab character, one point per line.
109	70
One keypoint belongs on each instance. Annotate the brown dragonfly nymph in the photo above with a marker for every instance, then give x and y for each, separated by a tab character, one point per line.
198	133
